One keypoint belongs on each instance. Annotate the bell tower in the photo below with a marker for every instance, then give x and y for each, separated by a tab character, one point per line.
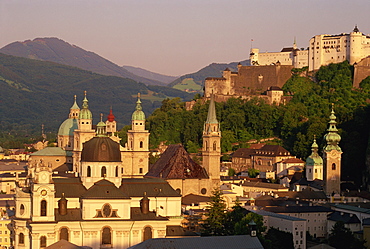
314	164
211	151
138	142
83	133
332	157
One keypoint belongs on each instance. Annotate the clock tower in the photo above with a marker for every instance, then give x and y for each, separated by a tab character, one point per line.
332	156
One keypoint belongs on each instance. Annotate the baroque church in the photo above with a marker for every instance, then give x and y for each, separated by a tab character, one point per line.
326	170
93	192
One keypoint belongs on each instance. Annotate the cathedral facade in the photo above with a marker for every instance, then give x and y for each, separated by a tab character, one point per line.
98	197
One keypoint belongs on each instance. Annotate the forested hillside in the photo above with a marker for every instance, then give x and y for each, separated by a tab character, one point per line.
295	123
35	92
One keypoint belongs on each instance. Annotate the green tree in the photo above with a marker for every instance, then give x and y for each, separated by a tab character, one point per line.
214	223
276	239
341	237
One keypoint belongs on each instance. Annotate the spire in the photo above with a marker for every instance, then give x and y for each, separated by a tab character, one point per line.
138	113
294	43
110	116
100	128
74	110
85	102
211	117
75	106
314	146
356	29
332	137
85	113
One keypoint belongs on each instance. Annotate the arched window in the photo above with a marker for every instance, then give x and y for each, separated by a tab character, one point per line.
116	171
106	237
21	239
103	171
147	233
43	241
63	234
21	209
88	171
43	208
205	144
141	144
214	145
333	166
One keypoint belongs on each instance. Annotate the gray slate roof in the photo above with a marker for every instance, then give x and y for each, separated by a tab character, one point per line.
104	189
214	242
154	187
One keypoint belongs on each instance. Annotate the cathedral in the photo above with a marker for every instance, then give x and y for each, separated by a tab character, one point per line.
93	192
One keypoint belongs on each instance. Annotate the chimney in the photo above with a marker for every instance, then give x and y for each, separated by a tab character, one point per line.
62	205
144	204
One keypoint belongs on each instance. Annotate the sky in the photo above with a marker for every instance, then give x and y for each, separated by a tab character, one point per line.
175	37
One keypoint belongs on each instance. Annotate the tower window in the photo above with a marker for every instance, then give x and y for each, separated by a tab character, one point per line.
106	238
88	171
43	241
21	209
140	170
214	145
333	166
116	171
103	171
43	207
141	144
21	239
63	234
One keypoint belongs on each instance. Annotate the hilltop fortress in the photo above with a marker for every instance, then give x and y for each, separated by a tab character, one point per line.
270	70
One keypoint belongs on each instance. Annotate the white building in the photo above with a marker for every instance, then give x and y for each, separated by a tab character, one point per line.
322	50
295	226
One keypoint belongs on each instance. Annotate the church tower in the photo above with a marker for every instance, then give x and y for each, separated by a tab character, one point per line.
211	151
83	133
314	164
65	132
332	157
111	123
138	143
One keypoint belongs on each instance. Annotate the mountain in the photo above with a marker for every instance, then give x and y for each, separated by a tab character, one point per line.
150	75
37	92
59	51
194	82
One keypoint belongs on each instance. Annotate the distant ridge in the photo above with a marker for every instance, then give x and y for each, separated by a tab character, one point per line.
59	51
150	75
212	70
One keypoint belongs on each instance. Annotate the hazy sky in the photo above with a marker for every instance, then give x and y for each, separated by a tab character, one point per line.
175	37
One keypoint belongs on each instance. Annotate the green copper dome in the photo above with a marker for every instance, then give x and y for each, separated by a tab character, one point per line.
332	137
138	113
101	128
85	113
67	127
314	158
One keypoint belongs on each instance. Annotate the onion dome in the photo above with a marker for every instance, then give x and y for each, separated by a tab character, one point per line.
332	137
138	113
314	158
110	116
101	128
101	149
85	113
